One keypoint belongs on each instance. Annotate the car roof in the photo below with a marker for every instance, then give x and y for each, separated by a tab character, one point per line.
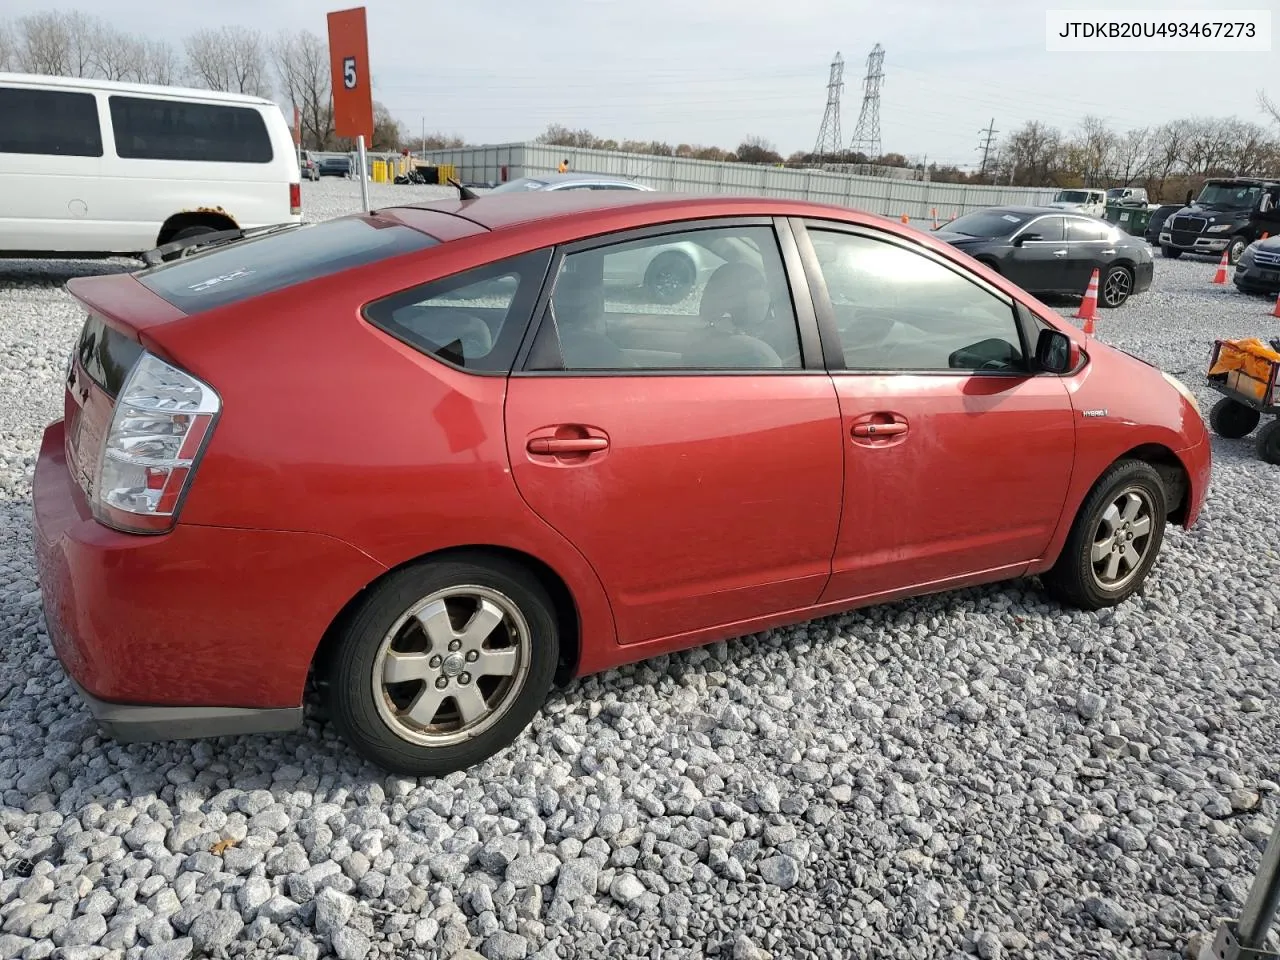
37	81
577	178
500	210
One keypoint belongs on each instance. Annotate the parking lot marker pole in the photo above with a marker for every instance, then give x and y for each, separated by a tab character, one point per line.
362	163
1246	937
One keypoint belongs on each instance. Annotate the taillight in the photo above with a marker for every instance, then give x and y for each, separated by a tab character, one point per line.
162	420
295	198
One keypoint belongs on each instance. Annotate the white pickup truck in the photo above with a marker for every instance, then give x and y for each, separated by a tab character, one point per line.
1092	203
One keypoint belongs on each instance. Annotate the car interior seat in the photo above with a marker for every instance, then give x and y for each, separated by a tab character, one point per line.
457	335
578	308
735	300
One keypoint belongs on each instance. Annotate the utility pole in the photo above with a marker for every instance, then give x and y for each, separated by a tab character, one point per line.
424	138
990	136
828	144
866	136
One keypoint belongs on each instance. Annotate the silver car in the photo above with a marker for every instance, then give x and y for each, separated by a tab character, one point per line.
669	273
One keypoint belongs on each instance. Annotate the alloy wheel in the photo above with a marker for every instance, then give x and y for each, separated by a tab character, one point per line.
451	666
1116	288
1122	539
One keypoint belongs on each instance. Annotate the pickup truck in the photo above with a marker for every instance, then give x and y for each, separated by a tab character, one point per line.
1092	203
1229	214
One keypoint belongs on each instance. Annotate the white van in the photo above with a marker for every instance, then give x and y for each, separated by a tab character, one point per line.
94	168
1092	203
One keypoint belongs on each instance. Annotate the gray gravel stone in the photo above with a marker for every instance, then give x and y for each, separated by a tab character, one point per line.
505	946
215	930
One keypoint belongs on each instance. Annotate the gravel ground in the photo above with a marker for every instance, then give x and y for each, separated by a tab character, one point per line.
981	773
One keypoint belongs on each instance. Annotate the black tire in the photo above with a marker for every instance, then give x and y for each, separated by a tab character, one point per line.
1236	248
670	277
1073	579
1268	442
1115	287
350	670
1170	253
1233	420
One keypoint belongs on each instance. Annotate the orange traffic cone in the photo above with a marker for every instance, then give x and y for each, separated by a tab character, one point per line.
954	214
1265	234
1089	305
934	212
905	218
1276	312
1221	276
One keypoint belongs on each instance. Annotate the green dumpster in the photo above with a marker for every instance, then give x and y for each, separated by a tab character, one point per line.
1132	220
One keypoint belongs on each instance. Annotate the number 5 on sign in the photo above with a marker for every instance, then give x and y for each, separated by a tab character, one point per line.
349	62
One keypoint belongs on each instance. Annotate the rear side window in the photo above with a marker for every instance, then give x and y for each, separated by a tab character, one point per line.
49	122
474	320
250	268
152	129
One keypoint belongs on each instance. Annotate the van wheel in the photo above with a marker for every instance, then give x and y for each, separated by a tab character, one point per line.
1114	541
443	665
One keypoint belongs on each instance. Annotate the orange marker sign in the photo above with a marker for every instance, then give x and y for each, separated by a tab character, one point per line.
349	62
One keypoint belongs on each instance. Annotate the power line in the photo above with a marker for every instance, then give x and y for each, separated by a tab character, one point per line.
985	146
829	133
866	136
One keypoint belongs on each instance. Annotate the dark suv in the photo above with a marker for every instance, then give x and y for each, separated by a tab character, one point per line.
335	167
1228	215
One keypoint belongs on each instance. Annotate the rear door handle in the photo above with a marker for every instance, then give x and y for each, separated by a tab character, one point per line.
558	445
878	429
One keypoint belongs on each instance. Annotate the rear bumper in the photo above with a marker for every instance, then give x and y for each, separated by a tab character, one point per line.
201	631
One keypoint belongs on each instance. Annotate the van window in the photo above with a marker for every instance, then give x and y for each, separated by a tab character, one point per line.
249	268
50	122
154	129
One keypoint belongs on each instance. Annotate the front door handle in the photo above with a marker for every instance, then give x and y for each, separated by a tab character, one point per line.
1059	253
879	429
554	446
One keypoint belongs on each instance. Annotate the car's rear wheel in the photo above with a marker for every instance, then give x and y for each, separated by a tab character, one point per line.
1114	541
1171	253
1268	442
1116	286
1232	419
670	277
443	665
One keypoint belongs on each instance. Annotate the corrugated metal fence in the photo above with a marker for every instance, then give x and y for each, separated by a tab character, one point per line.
917	199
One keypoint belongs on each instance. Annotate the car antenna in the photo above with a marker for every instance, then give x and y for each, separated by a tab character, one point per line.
463	192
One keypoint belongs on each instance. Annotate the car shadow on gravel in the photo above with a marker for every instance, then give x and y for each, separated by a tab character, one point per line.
54	273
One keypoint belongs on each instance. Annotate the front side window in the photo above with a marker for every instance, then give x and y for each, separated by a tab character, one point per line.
474	320
149	128
899	310
52	123
710	299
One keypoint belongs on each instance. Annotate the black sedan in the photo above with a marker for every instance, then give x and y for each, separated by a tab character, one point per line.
1046	251
1258	269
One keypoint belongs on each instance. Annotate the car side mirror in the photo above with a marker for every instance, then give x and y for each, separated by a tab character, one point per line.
1024	237
1056	353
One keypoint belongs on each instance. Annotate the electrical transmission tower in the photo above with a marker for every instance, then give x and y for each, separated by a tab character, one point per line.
866	136
829	133
989	136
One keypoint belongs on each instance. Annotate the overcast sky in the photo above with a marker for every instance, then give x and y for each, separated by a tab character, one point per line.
715	71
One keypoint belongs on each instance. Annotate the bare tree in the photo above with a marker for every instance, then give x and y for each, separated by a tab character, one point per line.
1208	144
7	50
1097	145
44	45
302	66
160	63
119	56
230	58
1132	156
1030	156
1269	106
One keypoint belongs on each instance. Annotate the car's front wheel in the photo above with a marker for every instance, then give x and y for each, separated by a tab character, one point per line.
443	665
1114	541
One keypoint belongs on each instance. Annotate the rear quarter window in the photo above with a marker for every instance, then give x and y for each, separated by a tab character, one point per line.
148	128
253	267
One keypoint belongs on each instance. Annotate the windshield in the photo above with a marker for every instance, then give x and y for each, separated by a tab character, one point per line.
1115	194
988	223
1072	196
524	183
1233	196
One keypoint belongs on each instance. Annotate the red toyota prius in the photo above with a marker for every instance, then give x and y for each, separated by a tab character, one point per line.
439	456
